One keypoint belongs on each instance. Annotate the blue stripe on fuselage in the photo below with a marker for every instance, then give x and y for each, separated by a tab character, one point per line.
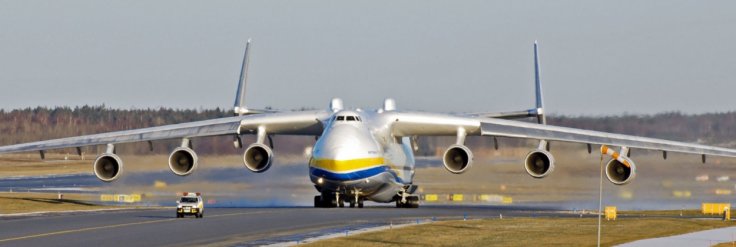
362	174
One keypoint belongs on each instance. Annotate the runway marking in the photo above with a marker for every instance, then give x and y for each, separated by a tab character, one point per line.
110	226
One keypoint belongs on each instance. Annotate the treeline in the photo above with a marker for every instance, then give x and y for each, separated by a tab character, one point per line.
709	128
41	123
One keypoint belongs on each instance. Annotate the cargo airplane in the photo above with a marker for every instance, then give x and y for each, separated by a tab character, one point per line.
368	154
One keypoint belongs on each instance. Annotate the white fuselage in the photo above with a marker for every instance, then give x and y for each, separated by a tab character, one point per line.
356	154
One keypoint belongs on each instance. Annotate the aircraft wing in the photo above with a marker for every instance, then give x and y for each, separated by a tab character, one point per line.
412	123
291	123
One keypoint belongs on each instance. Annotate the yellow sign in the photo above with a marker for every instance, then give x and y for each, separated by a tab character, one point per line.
430	197
107	198
723	192
120	198
507	200
682	193
610	213
159	184
456	197
715	208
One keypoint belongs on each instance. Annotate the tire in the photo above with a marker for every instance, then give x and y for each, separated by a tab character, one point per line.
178	215
412	202
317	201
360	202
341	203
352	204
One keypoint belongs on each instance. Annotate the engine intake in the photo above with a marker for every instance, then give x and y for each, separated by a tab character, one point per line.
539	163
108	167
457	159
620	171
183	161
258	157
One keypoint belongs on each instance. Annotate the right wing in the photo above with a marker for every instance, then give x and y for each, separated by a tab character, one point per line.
287	123
430	124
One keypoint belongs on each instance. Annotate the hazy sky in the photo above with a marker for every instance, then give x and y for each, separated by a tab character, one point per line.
598	57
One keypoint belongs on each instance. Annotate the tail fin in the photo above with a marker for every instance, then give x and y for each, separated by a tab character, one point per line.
539	111
239	107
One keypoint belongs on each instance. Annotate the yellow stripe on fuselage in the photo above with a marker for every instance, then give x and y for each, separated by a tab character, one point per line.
346	165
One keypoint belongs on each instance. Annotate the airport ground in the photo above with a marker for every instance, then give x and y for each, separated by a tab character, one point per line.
441	226
253	209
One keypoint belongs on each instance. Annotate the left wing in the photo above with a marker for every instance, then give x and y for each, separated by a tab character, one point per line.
291	123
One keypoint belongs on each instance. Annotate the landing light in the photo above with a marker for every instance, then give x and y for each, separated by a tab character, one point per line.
320	180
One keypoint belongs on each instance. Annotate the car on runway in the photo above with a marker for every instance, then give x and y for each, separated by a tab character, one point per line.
190	204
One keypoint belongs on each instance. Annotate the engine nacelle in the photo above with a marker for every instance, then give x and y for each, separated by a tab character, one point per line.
258	157
183	161
539	163
457	159
620	171
108	167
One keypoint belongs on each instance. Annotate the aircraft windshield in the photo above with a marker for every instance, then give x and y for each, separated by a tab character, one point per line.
347	118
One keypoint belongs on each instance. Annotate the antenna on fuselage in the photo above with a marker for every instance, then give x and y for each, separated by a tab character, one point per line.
239	107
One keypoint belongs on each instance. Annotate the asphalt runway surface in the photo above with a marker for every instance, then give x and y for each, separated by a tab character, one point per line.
226	226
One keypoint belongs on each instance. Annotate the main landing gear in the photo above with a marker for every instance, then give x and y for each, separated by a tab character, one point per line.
409	202
333	200
404	200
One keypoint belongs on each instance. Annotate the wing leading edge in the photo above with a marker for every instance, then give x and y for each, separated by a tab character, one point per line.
413	123
292	123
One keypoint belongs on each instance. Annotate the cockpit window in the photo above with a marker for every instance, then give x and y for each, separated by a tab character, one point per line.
351	118
357	118
340	118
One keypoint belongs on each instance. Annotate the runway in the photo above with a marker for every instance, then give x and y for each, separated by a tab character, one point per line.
224	226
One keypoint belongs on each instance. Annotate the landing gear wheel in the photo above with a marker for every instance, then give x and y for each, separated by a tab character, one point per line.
360	202
318	202
412	202
201	215
328	200
178	215
341	203
352	204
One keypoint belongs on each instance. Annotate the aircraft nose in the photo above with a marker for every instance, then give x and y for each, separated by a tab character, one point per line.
344	142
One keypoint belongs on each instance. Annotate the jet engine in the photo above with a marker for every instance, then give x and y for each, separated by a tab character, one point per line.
539	163
457	159
183	161
108	167
258	157
620	171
